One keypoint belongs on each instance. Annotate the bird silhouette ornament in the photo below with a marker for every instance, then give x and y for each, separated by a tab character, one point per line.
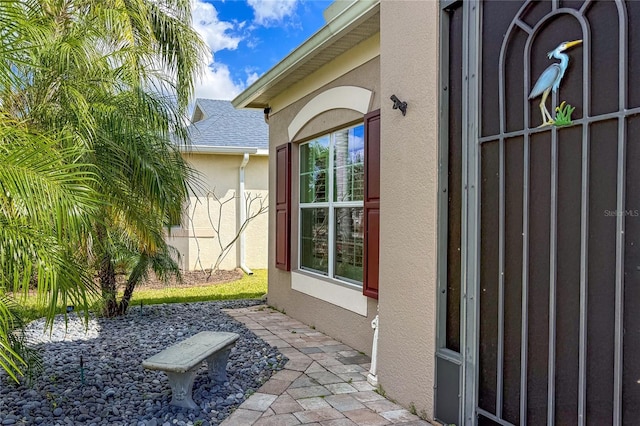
549	81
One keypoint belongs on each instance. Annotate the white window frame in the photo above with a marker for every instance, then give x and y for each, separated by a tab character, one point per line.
330	205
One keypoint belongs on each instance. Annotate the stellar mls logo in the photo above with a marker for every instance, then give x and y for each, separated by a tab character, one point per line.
628	213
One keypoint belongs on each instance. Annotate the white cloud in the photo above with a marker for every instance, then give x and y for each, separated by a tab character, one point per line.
216	82
217	34
268	12
251	78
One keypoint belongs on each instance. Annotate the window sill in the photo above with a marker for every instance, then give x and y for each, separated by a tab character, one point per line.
339	294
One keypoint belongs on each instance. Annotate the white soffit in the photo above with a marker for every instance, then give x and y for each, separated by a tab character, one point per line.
347	97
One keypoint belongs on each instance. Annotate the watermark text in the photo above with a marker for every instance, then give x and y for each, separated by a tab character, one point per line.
626	213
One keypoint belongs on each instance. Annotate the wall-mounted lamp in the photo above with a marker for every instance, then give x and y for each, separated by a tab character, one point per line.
266	111
398	104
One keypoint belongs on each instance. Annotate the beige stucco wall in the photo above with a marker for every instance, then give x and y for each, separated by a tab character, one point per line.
344	325
197	240
407	66
408	209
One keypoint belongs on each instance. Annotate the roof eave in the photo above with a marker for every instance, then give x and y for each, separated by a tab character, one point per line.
327	34
224	150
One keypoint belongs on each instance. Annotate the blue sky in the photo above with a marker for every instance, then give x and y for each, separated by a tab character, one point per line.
248	37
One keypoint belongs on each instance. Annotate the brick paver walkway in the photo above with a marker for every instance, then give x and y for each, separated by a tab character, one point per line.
324	383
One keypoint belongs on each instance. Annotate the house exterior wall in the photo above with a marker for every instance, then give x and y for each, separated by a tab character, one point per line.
196	239
342	324
406	66
408	202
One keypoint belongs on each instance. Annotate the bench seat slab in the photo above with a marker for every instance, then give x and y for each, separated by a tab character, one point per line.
182	360
189	353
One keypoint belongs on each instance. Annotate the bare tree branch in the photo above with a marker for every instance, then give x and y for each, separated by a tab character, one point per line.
253	211
255	206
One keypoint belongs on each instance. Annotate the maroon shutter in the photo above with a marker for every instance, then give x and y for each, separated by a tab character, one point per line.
371	203
283	201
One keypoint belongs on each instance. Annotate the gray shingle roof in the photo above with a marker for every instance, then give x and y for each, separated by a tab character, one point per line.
222	125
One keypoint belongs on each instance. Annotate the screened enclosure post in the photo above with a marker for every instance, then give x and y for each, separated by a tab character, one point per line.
447	388
584	231
584	253
501	237
443	193
470	206
501	242
468	336
525	240
620	223
525	283
553	274
618	337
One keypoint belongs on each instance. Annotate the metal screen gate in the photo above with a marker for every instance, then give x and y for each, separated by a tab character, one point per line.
539	309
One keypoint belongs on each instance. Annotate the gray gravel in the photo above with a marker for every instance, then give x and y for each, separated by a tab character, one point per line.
116	389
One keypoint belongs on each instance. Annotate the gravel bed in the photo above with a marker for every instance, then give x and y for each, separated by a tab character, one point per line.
112	388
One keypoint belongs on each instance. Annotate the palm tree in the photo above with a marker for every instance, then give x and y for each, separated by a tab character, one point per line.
46	199
144	188
119	75
90	93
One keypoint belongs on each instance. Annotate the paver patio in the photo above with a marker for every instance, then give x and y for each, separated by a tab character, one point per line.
324	383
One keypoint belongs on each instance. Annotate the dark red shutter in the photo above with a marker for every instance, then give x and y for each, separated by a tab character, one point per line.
371	203
283	201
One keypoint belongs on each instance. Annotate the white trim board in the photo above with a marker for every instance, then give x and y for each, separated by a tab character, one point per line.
348	97
350	299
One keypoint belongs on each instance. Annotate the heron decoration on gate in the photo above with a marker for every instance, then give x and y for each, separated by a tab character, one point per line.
550	80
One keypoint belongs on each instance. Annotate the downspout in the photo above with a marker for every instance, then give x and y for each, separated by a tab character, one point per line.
243	215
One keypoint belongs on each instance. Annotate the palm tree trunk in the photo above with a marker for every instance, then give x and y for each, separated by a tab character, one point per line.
107	276
126	297
137	274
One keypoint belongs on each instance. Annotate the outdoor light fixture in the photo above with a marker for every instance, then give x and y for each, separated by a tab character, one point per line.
398	104
266	111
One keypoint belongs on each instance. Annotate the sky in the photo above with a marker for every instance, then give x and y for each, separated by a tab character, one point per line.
246	38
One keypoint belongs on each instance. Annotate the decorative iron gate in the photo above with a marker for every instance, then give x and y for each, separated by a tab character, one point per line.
540	282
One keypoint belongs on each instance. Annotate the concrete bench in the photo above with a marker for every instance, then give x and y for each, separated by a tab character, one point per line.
182	360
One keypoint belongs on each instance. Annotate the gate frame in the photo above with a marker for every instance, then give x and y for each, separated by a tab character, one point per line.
470	208
470	217
470	213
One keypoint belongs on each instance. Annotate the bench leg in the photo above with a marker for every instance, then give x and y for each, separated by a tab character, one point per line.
181	388
217	364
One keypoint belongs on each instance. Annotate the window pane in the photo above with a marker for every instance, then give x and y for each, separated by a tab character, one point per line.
349	243
314	163
314	250
349	165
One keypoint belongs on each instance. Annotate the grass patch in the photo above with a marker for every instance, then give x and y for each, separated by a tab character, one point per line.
248	287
